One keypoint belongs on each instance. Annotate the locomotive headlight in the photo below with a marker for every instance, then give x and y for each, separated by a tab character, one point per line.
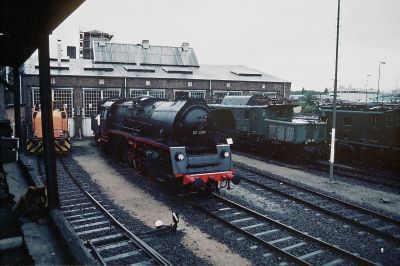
179	156
225	154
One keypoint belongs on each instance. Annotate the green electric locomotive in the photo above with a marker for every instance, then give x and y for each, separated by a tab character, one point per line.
262	125
366	132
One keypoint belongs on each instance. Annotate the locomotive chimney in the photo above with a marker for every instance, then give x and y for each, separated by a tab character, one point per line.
59	53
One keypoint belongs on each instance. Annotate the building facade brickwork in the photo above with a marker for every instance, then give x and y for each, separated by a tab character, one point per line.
81	83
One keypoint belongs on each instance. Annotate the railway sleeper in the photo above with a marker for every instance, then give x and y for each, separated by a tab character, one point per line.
99	241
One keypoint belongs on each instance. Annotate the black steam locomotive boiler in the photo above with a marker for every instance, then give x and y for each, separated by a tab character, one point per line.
172	141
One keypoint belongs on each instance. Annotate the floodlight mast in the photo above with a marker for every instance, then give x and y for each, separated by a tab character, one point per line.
379	79
332	156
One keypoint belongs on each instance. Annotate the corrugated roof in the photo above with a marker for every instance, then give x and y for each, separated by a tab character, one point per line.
107	52
204	72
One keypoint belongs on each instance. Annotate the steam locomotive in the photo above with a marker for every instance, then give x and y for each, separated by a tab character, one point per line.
171	141
260	124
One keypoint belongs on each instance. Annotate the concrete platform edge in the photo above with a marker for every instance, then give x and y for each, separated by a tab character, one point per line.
80	254
75	246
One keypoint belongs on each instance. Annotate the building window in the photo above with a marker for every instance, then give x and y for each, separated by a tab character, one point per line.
157	93
101	81
228	84
64	96
192	94
111	94
235	93
190	84
35	96
148	83
263	86
60	95
219	95
197	94
53	80
135	93
91	98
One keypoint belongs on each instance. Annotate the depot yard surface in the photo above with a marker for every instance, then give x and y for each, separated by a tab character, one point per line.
366	196
201	240
148	208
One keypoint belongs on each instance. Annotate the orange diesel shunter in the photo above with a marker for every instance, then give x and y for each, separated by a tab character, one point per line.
62	142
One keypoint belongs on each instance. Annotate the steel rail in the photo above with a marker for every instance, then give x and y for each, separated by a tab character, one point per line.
367	176
345	253
136	240
263	242
321	209
359	208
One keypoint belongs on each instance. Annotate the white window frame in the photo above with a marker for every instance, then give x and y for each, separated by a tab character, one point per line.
226	92
265	93
190	92
33	98
102	90
148	92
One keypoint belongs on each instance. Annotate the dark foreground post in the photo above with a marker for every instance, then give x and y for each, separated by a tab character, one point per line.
47	121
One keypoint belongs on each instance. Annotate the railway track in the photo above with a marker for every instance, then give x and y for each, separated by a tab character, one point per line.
290	244
374	223
109	241
360	173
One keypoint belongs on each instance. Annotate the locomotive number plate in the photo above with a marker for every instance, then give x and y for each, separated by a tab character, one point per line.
199	132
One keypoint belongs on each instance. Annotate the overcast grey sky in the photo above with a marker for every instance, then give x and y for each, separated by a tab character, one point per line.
291	39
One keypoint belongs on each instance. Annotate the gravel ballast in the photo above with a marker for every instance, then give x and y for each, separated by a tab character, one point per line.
139	202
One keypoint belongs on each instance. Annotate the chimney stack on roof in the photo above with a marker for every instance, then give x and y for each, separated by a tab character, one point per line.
138	54
185	46
146	44
59	53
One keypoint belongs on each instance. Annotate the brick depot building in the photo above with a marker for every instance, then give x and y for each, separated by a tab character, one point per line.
132	70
